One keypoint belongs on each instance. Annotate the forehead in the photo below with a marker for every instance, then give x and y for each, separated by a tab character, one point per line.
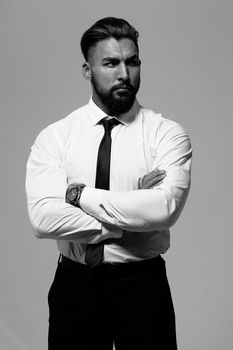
121	49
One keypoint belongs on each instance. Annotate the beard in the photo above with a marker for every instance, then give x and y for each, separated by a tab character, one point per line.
115	100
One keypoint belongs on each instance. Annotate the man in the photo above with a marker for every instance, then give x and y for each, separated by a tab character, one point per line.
107	182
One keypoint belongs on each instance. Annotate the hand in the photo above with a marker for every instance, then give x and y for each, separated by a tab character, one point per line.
154	178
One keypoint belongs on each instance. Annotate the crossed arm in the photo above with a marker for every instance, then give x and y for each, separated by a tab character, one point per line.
154	178
105	214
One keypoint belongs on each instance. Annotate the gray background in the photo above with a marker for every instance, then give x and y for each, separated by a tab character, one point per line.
187	55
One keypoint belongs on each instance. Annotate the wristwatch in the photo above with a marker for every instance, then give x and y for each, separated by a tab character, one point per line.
73	194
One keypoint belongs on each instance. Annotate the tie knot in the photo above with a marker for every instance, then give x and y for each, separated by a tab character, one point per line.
109	124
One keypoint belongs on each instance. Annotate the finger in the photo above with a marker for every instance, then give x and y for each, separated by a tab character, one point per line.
152	176
152	182
155	177
157	184
155	173
159	178
140	182
157	170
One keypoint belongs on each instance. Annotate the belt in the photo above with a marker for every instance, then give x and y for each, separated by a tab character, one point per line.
133	266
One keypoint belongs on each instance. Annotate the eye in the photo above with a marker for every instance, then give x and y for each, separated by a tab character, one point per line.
134	62
111	63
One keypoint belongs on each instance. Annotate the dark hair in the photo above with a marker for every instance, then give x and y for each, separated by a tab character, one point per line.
109	27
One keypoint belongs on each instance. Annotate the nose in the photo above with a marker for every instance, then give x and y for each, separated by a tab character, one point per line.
123	73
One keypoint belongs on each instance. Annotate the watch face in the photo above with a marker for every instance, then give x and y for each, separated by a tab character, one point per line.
72	194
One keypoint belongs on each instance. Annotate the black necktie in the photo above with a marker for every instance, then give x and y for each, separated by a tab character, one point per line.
94	253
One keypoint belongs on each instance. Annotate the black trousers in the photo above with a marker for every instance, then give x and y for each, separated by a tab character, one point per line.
128	304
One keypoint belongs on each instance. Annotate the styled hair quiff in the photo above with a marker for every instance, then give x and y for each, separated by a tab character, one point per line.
105	28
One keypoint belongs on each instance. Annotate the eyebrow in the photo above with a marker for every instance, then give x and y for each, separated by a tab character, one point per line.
110	59
105	59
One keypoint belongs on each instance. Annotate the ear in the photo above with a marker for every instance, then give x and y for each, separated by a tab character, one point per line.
86	70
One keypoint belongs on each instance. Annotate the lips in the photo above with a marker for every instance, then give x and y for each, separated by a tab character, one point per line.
123	88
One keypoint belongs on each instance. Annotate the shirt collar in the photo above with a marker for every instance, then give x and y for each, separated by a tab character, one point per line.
96	113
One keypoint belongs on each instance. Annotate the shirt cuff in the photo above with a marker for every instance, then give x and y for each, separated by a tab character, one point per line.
91	203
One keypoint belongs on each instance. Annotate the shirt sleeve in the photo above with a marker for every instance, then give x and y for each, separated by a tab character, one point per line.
151	209
46	184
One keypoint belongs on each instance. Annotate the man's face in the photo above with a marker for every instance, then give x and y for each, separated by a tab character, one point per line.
115	74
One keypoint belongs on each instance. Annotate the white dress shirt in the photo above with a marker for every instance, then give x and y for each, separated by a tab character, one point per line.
135	222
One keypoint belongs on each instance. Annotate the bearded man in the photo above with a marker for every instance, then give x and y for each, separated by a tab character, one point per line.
107	182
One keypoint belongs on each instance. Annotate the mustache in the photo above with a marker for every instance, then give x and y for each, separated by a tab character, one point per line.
122	86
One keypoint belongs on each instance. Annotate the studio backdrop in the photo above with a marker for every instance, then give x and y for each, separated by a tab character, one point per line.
187	53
